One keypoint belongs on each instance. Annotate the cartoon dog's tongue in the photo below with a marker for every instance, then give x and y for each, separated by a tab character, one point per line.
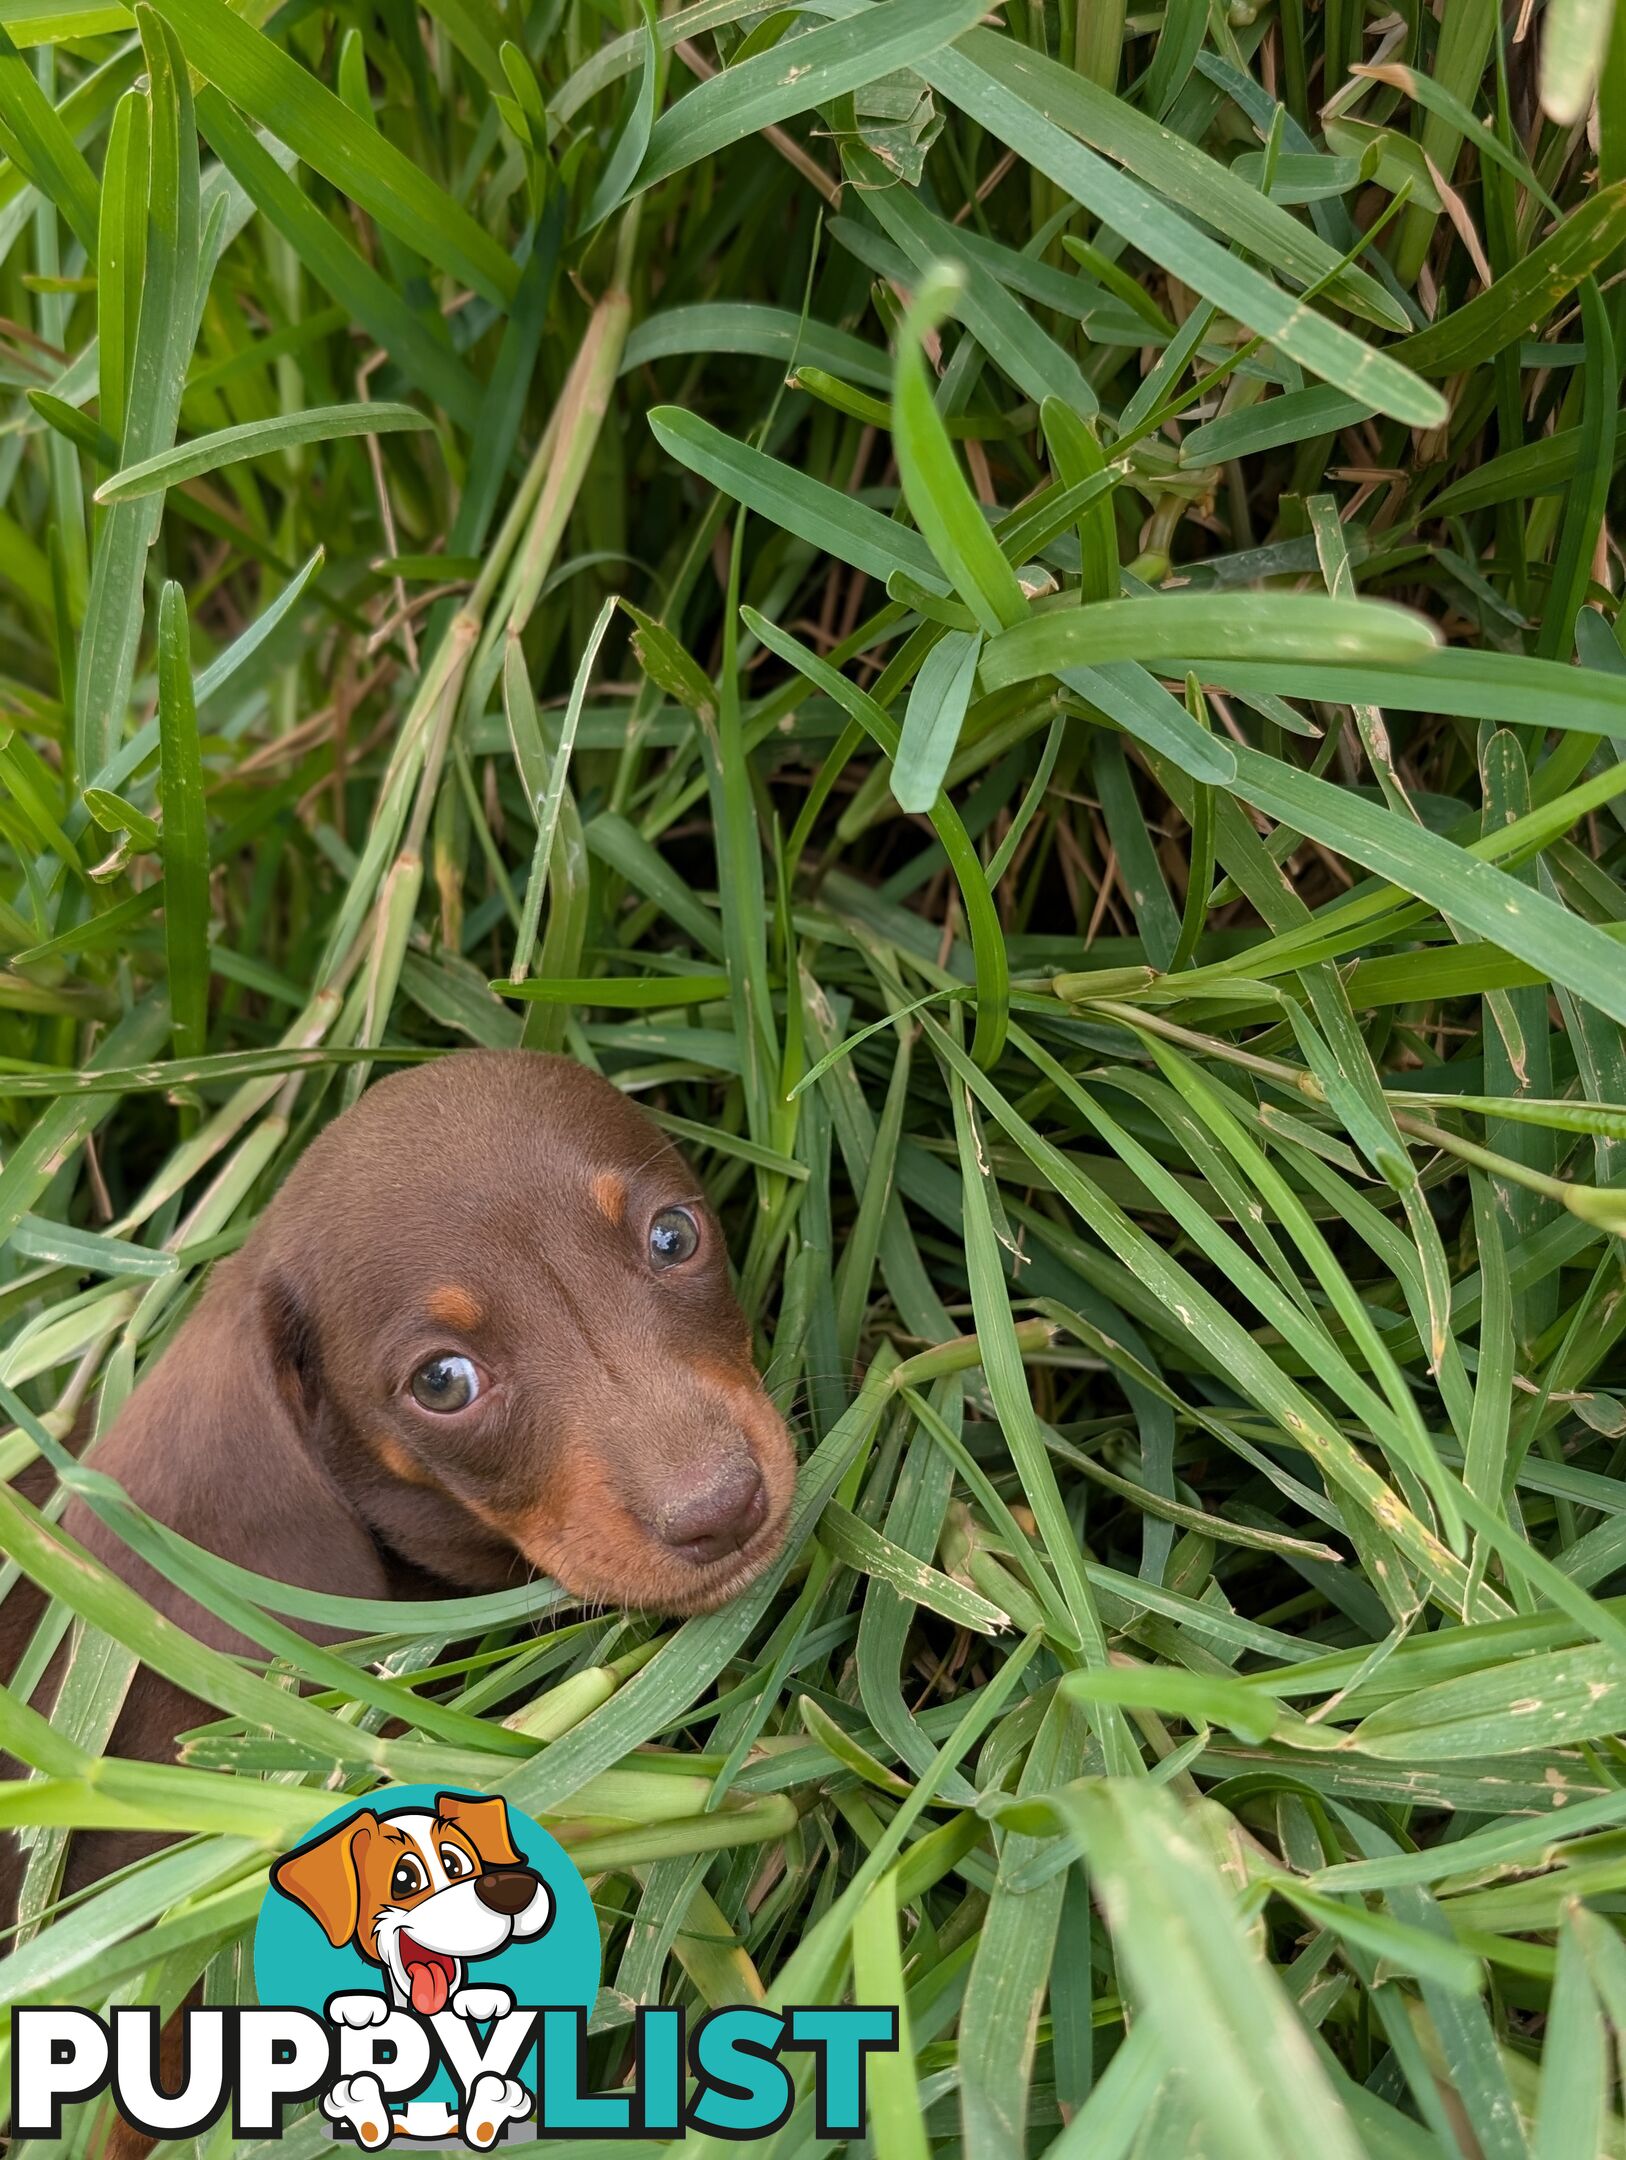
429	1976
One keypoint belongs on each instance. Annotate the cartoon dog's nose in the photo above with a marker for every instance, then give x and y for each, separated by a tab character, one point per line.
717	1520
506	1890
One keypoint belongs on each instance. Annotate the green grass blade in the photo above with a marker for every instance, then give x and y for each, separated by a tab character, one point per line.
255	438
257	75
185	839
823	64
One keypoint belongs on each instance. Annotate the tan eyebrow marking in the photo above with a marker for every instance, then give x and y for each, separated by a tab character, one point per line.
609	1196
399	1463
455	1308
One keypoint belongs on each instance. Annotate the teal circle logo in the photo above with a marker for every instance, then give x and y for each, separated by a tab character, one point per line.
439	1902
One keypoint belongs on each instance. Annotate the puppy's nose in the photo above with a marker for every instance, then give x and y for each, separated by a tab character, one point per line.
717	1520
505	1890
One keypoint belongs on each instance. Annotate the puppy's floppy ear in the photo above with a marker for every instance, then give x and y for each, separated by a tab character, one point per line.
290	1340
326	1877
484	1823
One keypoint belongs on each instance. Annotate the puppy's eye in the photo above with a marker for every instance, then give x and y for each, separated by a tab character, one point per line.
446	1383
408	1879
456	1862
673	1237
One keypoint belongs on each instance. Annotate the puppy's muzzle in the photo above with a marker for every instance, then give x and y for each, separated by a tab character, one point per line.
506	1890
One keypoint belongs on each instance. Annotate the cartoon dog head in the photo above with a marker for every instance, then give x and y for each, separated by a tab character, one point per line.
420	1893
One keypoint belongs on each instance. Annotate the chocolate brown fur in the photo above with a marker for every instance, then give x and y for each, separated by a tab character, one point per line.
621	1429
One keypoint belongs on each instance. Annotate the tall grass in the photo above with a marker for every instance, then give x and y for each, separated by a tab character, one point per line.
1012	622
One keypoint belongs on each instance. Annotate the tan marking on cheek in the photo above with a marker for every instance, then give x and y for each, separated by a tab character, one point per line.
455	1308
580	1530
404	1468
578	1491
609	1196
494	1518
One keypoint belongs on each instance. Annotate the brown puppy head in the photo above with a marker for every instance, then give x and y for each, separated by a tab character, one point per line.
498	1309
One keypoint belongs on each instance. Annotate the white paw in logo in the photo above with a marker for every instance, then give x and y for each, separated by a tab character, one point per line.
359	2010
359	2101
481	2004
493	2102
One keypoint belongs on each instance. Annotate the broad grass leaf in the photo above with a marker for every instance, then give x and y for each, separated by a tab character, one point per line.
1199	626
1559	945
44	148
814	68
1317	344
852	1540
1574	34
1077	457
1557	1699
1252	2076
633	141
897	2127
944	507
1196	1697
1577	2075
1526	294
1173	167
749	326
256	74
1015	1954
931	723
1295	416
828	520
255	438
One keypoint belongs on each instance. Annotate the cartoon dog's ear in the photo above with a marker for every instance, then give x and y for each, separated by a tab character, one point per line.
326	1877
485	1823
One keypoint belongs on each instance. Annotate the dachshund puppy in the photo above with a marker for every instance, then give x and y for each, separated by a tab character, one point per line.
485	1329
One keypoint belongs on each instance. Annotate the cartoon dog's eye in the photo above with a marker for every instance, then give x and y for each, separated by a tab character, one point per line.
446	1384
408	1879
456	1862
673	1237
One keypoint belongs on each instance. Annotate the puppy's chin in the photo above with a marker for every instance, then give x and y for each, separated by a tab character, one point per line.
622	1563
